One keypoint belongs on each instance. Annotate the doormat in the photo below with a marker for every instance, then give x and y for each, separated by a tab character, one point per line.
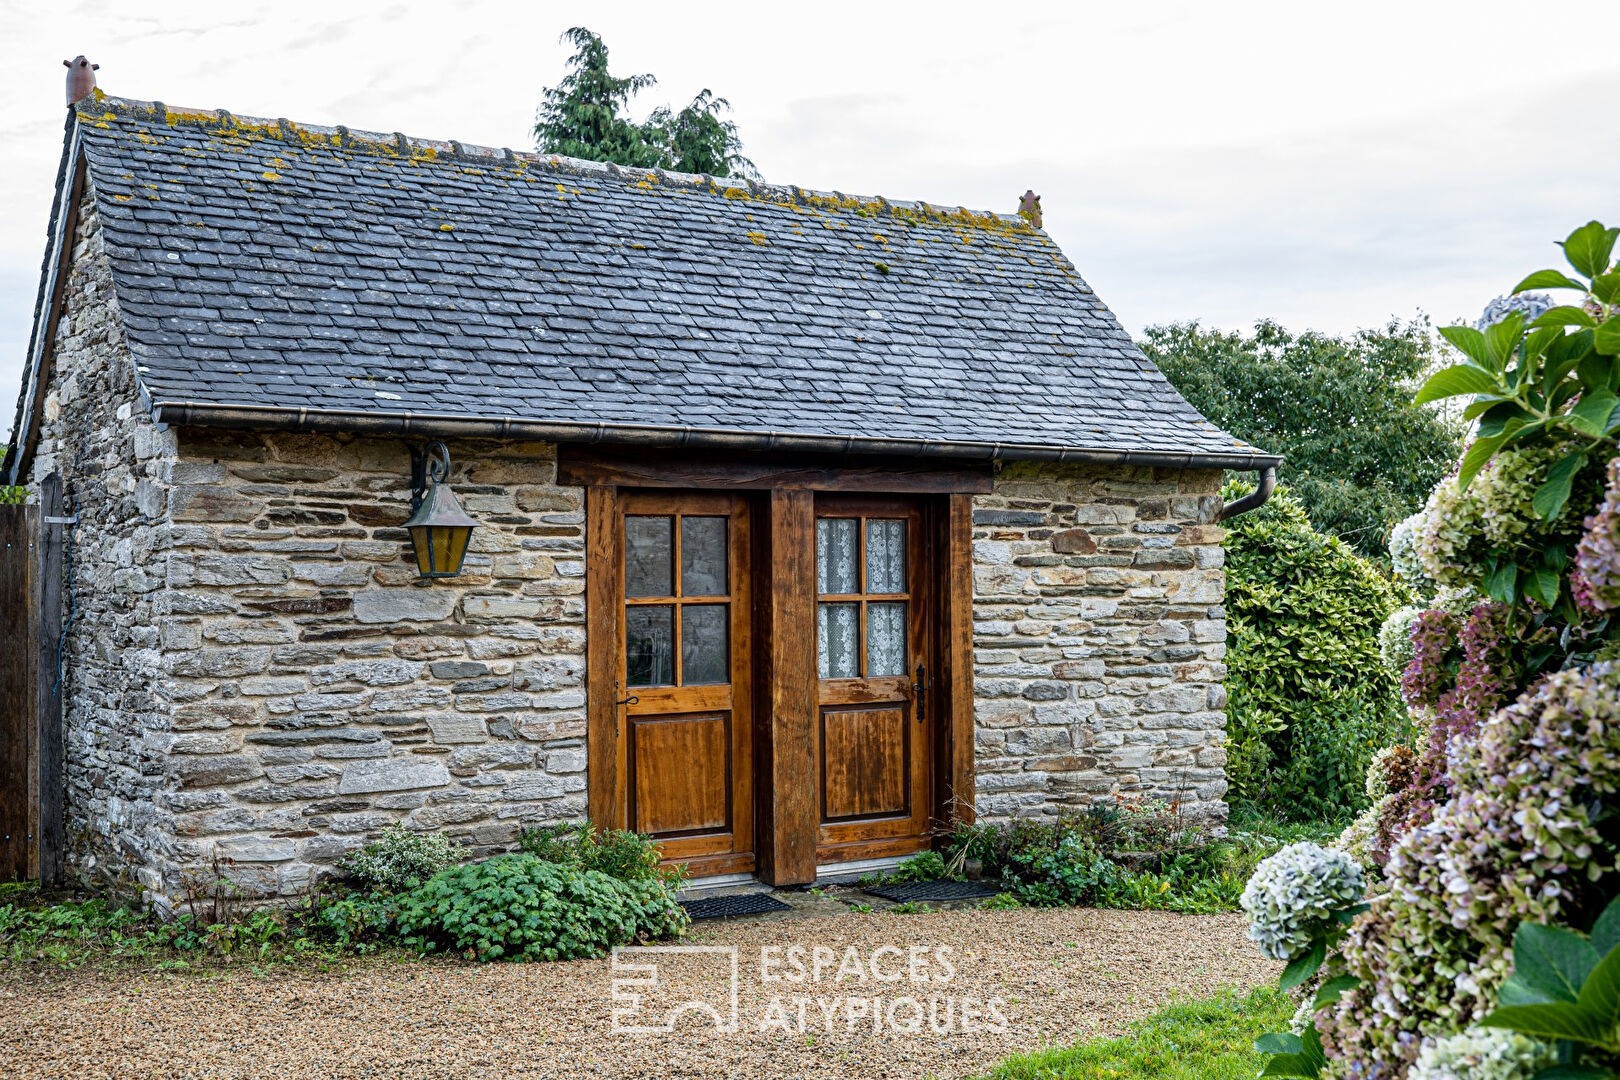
728	907
936	891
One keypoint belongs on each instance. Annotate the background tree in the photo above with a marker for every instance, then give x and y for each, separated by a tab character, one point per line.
697	140
584	116
1359	455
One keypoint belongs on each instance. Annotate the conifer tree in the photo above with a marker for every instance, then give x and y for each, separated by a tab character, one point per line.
583	116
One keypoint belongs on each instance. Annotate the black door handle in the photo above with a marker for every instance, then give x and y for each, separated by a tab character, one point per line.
919	693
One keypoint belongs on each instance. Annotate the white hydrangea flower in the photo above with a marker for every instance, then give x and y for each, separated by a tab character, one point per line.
1303	1016
1403	552
1395	638
1481	1054
1292	895
1458	600
1357	838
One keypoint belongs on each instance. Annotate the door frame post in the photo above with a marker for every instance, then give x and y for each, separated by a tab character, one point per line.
604	742
785	789
954	789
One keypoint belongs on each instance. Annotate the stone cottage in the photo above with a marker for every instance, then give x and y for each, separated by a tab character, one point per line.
804	521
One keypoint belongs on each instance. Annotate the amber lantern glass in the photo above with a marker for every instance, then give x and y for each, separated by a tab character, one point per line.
440	529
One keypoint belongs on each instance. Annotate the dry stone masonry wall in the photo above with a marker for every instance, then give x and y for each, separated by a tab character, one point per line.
114	462
324	690
1100	639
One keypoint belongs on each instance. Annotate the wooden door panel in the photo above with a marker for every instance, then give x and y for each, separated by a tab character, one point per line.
685	671
873	597
864	763
681	774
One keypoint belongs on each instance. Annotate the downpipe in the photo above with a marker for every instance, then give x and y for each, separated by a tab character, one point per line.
1255	498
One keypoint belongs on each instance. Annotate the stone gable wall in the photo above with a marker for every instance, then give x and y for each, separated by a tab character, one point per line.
1100	639
114	463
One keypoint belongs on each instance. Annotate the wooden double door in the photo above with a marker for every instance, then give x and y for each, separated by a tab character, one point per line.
694	699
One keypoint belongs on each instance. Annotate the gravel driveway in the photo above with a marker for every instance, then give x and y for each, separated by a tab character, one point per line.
1053	975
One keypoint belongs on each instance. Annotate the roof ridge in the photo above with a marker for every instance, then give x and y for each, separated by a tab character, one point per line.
396	143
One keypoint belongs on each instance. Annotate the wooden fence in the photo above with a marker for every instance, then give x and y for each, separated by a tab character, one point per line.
31	780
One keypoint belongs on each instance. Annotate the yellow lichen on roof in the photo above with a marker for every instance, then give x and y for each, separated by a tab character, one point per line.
228	132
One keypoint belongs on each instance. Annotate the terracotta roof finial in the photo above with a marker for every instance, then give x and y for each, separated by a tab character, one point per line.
81	78
1029	208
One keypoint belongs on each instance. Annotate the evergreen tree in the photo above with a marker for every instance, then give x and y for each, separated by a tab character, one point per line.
1358	454
583	116
696	140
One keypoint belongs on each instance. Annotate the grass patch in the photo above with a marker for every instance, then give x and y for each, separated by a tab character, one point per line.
1212	1039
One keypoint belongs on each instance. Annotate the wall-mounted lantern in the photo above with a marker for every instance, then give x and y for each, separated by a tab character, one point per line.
439	527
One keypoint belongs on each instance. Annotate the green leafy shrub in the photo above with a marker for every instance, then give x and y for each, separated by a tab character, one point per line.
1113	854
519	907
354	923
1052	867
399	859
74	932
618	853
1310	699
923	866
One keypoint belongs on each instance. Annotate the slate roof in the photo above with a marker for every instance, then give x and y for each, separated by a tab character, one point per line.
269	265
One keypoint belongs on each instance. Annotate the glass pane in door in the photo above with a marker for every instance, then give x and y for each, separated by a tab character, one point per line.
836	543
649	645
837	640
703	644
703	556
885	556
885	639
648	556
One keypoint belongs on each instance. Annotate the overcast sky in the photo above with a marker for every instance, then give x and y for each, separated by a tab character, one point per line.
1327	166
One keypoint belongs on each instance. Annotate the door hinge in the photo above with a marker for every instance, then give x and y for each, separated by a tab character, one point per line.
919	693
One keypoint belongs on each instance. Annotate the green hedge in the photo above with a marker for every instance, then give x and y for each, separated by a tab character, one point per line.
1309	699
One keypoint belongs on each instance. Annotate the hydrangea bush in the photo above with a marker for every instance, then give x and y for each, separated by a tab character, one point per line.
1504	809
1395	639
1293	895
1515	841
1481	1054
1597	557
